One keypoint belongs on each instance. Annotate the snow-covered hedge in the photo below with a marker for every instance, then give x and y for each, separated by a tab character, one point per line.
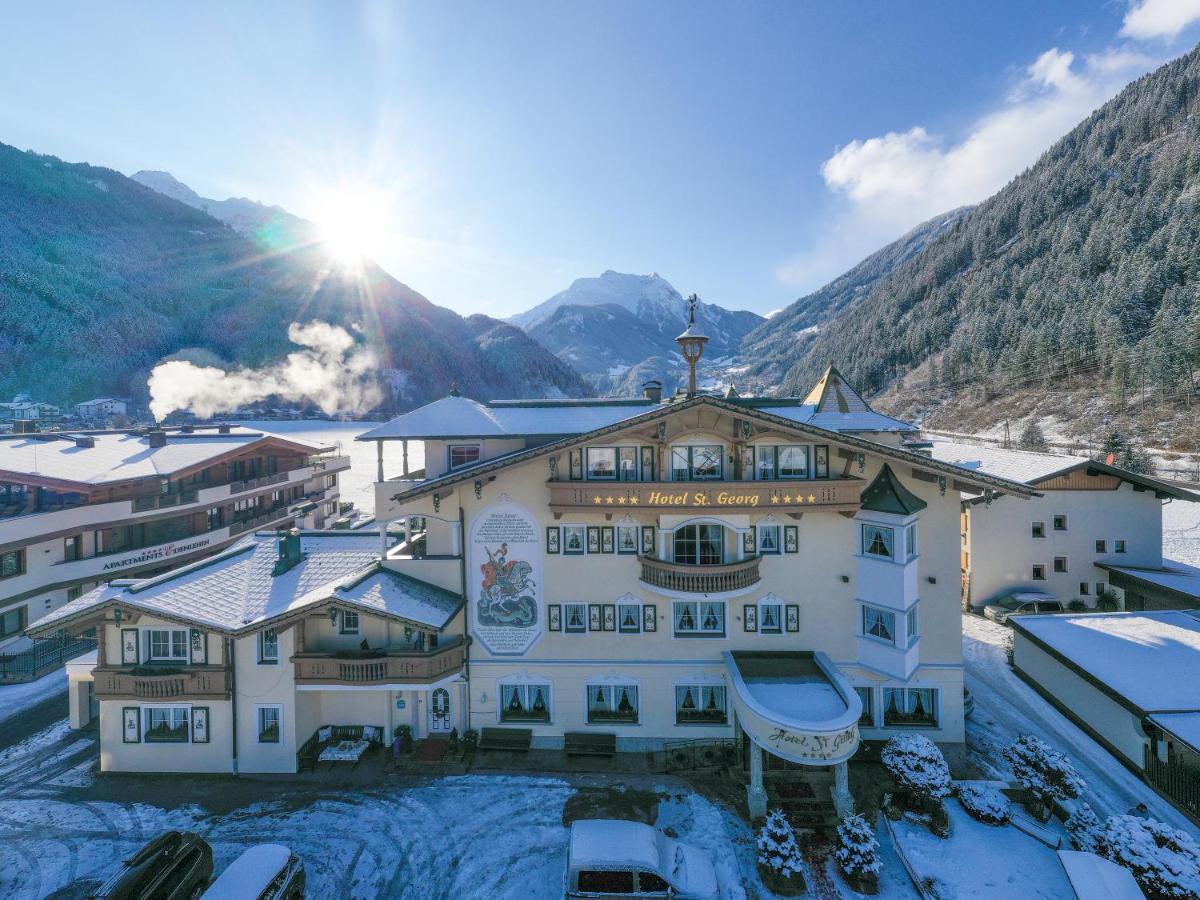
1084	827
777	847
984	802
1043	771
1164	860
917	766
858	853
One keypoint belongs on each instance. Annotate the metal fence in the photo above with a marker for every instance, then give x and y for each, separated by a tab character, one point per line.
1180	783
44	656
698	755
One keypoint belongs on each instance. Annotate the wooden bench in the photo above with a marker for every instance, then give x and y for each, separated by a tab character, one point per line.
515	740
589	743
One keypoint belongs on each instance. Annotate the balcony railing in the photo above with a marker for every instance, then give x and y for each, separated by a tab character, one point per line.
834	494
257	521
389	667
236	487
699	579
144	683
164	501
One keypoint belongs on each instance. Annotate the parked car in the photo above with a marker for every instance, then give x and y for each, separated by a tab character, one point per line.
611	858
264	872
1021	603
176	865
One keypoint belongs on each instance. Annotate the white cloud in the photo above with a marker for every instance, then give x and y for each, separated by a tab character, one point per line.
887	184
1148	19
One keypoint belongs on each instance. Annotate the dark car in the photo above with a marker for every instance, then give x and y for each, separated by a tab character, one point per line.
176	865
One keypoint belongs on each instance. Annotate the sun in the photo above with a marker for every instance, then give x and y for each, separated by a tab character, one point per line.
353	223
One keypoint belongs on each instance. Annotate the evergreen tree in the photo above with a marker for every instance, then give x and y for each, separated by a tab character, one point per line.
1032	438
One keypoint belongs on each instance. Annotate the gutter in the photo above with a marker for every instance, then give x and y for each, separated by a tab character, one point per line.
233	705
462	567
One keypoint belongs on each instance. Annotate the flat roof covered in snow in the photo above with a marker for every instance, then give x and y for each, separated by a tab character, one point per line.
1176	577
1116	650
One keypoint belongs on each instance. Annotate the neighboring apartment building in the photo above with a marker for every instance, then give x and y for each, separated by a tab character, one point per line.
83	508
102	408
1094	528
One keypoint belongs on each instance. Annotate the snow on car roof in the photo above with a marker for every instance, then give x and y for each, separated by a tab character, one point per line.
1118	649
612	844
249	874
1096	878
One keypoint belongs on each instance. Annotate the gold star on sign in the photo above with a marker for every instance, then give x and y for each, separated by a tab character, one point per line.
787	498
812	498
774	498
597	500
608	500
633	500
621	500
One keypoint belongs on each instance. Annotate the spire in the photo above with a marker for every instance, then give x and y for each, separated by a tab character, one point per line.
832	393
691	344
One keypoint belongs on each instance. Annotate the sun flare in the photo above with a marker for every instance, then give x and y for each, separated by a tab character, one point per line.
352	223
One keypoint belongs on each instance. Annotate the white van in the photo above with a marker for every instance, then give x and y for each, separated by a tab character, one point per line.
611	858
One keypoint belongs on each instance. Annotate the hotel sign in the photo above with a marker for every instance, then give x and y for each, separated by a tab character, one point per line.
693	496
156	554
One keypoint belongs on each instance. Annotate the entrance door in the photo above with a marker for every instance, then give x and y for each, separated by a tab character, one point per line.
439	711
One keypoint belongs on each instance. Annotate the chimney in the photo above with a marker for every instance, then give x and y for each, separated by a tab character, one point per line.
157	437
652	391
223	428
85	441
288	547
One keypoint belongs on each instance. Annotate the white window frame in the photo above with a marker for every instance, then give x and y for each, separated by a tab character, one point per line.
587	463
770	601
885	616
145	714
912	621
869	705
636	606
263	658
525	687
700	686
582	551
762	529
888	536
450	448
148	643
910	542
935	693
698	618
343	628
259	708
613	686
583	611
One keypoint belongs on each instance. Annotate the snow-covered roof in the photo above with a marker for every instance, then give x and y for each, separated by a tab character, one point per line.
237	590
613	844
1174	576
1017	465
832	393
1093	877
124	456
1118	649
1185	726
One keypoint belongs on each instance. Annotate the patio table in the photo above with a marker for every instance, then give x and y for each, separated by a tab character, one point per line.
344	751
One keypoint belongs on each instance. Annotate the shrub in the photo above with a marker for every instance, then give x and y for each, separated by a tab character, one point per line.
779	857
1084	827
1076	606
917	766
984	802
857	854
1043	771
1164	860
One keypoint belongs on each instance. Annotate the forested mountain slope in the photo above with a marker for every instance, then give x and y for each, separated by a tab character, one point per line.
101	277
1073	289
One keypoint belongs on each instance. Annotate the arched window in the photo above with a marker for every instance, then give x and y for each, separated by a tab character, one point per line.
700	545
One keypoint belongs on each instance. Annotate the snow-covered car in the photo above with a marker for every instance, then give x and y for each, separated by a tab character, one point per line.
612	858
176	865
1022	603
264	872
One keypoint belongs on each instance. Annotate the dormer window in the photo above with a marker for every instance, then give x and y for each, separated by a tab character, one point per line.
702	462
463	455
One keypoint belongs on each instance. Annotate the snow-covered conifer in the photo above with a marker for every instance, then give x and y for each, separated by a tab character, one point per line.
1043	771
1084	827
778	850
858	852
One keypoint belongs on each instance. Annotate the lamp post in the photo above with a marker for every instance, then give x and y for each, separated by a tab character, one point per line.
691	344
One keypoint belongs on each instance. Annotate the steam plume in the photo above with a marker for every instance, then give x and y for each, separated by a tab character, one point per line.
330	371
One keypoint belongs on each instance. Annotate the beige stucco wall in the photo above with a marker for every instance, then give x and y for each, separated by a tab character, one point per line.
1112	721
1003	550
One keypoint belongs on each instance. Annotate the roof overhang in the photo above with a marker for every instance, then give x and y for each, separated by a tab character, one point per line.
975	481
1162	490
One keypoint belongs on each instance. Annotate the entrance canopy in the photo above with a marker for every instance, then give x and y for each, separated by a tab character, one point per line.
795	705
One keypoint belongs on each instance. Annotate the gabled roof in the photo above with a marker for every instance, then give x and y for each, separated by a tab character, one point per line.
236	592
752	413
886	494
832	393
117	456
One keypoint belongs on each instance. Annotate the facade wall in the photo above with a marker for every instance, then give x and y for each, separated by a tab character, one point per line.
1003	551
1117	726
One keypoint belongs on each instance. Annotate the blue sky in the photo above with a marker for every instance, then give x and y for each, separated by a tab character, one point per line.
748	153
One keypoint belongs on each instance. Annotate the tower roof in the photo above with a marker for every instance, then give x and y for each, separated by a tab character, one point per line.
887	495
832	393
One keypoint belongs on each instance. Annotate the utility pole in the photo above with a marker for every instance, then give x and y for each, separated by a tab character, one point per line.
1007	436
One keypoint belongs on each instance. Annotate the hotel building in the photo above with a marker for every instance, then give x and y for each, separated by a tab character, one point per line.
79	509
778	573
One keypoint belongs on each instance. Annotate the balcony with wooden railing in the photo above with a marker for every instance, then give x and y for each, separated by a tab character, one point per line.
161	683
381	667
832	494
674	578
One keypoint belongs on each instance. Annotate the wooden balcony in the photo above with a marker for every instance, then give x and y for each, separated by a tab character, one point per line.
390	667
143	683
680	579
836	494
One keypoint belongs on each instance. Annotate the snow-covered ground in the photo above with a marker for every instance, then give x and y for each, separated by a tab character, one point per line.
1006	707
1181	531
17	697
